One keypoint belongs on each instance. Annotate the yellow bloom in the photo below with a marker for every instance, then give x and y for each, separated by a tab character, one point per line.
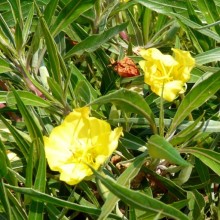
166	74
78	141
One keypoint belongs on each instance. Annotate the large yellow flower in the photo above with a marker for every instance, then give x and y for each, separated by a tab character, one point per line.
165	74
78	141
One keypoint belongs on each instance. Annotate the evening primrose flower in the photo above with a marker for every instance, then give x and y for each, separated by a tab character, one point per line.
166	75
78	141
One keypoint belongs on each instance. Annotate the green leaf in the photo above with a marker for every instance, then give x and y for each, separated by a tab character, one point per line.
159	147
209	56
3	165
152	216
135	199
173	188
130	141
208	126
77	77
124	180
95	41
56	89
209	11
188	132
69	13
4	199
162	6
106	14
197	96
204	175
129	101
89	193
200	41
40	181
32	126
196	205
196	26
50	10
134	30
10	177
39	196
22	144
18	211
4	66
52	52
83	93
27	98
36	207
6	29
28	22
208	157
16	11
18	37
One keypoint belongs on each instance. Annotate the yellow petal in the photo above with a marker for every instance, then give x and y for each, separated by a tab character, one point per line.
154	55
185	65
171	90
166	71
74	173
78	141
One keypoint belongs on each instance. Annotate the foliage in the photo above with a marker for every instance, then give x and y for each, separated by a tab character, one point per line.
56	56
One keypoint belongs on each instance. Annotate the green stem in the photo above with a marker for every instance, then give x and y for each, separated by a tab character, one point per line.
161	118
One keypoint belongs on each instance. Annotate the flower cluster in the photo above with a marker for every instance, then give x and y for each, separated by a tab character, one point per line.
166	75
78	141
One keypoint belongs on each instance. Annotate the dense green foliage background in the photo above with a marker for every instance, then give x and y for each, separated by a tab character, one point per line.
55	55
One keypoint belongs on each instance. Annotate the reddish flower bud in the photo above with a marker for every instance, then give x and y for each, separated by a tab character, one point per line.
126	67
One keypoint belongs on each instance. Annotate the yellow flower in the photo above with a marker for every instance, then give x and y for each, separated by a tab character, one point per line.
165	74
78	141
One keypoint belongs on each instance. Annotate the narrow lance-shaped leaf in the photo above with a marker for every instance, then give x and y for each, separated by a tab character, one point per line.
196	205
18	37
92	42
37	207
18	211
124	179
4	66
28	23
50	10
195	98
208	157
196	26
20	141
4	199
208	56
210	12
172	187
16	11
163	6
135	199
204	175
188	132
32	127
27	98
3	165
159	147
72	10
129	101
39	196
209	126
6	29
52	52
